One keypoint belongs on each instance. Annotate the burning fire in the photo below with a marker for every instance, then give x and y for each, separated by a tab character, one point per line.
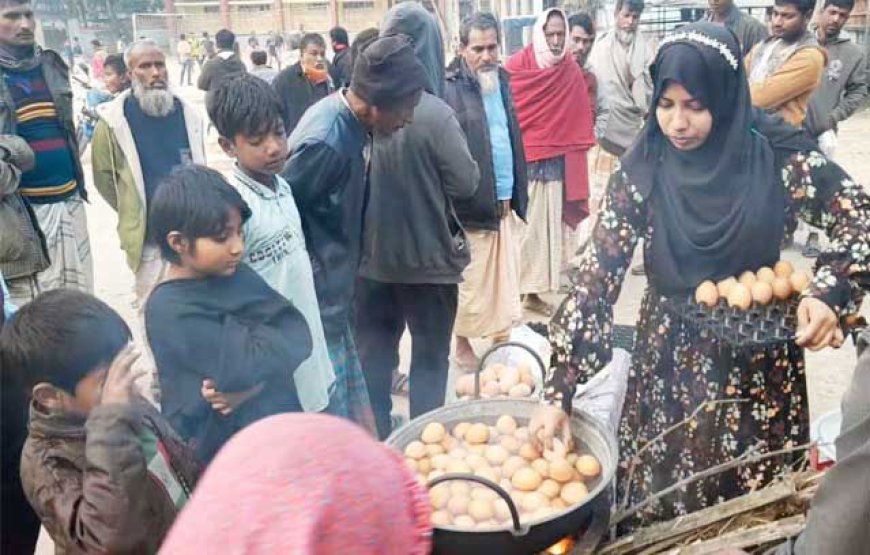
565	545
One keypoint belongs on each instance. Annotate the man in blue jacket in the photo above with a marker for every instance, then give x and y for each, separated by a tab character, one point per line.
327	170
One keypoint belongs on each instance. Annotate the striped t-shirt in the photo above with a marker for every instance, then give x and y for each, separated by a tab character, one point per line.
53	178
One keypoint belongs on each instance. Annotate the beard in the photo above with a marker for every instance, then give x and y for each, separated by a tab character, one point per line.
487	76
157	103
625	37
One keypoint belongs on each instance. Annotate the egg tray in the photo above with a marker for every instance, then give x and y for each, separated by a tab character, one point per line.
755	328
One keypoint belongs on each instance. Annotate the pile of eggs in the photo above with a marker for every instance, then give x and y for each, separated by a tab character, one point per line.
761	287
539	483
498	380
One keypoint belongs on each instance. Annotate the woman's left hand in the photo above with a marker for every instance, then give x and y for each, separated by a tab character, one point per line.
817	325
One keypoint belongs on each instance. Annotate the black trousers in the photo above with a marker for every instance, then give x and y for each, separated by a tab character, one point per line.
382	312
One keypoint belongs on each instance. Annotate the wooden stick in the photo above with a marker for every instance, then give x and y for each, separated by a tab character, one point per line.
749	457
646	446
748	537
682	525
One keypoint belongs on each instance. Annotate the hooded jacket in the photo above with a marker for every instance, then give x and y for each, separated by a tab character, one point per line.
843	89
463	95
412	234
110	484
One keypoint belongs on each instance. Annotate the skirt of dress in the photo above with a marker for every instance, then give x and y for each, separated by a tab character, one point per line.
674	370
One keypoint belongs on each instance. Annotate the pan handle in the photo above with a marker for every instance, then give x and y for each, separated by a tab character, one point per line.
519	529
495	348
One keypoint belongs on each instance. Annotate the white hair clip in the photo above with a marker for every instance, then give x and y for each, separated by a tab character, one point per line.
694	36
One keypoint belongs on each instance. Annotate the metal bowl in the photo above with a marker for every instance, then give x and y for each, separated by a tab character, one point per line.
535	535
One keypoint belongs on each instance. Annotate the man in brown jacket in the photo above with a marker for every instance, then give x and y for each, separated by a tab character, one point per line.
103	470
786	69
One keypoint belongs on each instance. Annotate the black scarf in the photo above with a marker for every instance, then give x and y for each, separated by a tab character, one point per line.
719	209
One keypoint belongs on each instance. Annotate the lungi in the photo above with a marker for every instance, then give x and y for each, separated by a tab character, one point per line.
350	397
489	295
541	252
602	165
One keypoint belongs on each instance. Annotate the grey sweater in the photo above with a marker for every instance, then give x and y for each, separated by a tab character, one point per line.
843	88
412	234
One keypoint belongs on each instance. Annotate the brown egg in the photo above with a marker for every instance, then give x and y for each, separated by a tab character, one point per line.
460	429
739	297
561	470
534	501
572	458
496	454
490	389
440	518
558	504
799	280
781	288
526	479
506	424
488	374
574	492
508	379
501	509
510	466
483	493
435	449
542	467
465	385
480	510
528	452
412	464
519	391
464	521
783	269
762	292
765	274
458	505
707	294
476	461
424	466
550	488
588	466
510	443
440	462
439	496
449	444
522	434
459	488
415	450
477	434
747	278
527	378
725	285
458	467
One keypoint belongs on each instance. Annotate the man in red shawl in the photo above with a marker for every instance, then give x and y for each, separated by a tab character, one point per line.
555	116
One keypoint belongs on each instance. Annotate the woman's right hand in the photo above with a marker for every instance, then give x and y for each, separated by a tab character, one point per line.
546	422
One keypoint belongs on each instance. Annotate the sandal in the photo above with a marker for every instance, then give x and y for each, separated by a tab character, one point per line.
812	249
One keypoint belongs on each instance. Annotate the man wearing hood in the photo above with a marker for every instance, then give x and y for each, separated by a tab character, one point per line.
555	116
36	105
478	89
786	69
414	249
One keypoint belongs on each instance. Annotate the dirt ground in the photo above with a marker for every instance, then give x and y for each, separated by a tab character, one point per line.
828	371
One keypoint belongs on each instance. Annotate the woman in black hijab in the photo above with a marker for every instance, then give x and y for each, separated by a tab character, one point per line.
709	185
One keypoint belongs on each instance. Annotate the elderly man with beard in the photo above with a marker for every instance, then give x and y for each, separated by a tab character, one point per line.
142	135
36	105
478	90
555	117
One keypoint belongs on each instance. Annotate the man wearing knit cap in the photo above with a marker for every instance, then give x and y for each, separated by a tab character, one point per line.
327	169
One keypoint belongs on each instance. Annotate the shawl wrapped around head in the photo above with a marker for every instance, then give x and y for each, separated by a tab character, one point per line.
305	484
555	114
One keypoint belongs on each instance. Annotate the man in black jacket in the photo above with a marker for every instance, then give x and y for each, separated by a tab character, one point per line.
225	64
301	85
341	61
489	296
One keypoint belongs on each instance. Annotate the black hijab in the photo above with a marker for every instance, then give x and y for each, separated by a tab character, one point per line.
719	209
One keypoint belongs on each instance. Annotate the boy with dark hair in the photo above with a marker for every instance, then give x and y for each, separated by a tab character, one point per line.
225	343
302	84
225	64
247	115
260	67
102	469
786	69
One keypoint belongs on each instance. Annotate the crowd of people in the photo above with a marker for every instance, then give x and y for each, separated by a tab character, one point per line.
388	189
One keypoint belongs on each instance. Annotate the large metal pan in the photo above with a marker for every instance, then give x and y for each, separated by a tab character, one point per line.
537	535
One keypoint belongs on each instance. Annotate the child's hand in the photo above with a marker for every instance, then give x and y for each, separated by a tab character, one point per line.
118	386
226	403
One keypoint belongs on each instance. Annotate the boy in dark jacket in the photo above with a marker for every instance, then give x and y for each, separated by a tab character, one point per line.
226	64
101	468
